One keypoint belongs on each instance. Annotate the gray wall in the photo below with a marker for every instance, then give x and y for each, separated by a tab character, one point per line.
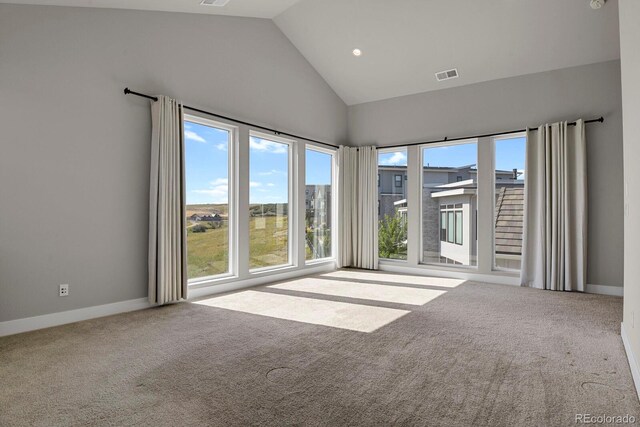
75	151
630	58
513	103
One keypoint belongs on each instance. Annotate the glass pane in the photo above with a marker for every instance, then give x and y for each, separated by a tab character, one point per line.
392	205
207	199
318	172
458	227
451	227
268	203
449	180
509	202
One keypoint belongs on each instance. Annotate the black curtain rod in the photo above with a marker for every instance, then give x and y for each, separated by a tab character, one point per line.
128	91
446	139
506	132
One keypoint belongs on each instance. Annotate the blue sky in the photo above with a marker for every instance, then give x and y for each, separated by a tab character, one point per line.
206	157
268	171
510	154
318	168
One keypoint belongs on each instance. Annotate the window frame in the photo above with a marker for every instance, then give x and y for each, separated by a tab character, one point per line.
494	139
232	196
445	219
292	211
421	257
392	191
334	208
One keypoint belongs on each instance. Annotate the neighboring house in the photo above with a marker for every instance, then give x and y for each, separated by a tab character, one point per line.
317	200
508	226
207	218
449	206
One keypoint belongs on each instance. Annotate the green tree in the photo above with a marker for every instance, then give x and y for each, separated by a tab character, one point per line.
199	228
392	237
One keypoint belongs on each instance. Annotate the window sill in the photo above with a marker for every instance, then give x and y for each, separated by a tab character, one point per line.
392	261
208	281
449	267
314	262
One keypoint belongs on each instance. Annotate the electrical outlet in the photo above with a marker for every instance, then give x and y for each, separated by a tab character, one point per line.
64	291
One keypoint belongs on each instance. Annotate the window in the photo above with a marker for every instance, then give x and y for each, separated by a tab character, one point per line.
509	201
451	224
392	204
269	202
449	203
318	181
208	147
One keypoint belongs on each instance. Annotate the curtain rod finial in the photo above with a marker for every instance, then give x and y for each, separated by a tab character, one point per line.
126	91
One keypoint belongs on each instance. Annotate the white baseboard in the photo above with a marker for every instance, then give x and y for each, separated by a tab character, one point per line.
26	324
616	291
633	363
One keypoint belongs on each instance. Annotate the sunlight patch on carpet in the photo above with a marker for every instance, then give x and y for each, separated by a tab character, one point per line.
399	279
368	291
354	317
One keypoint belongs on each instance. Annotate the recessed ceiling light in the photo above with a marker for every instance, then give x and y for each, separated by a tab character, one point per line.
357	52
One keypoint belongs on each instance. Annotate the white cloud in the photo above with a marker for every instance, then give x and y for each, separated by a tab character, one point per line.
267	146
255	184
192	136
272	172
271	184
398	158
221	147
218	191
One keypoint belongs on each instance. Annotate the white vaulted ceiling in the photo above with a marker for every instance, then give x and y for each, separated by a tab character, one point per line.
404	42
248	8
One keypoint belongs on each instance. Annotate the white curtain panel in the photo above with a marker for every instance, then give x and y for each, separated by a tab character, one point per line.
358	198
347	183
167	233
554	248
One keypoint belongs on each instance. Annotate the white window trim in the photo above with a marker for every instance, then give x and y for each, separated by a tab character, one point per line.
334	208
292	197
232	197
405	150
493	240
436	265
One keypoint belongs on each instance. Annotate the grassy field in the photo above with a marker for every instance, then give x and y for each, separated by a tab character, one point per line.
208	251
268	241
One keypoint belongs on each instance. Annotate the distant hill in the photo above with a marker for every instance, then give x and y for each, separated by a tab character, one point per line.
208	209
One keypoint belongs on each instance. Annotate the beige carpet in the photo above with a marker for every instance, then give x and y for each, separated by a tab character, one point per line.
348	348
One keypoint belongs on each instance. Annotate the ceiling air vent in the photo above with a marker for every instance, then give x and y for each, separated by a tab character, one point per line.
446	75
218	3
